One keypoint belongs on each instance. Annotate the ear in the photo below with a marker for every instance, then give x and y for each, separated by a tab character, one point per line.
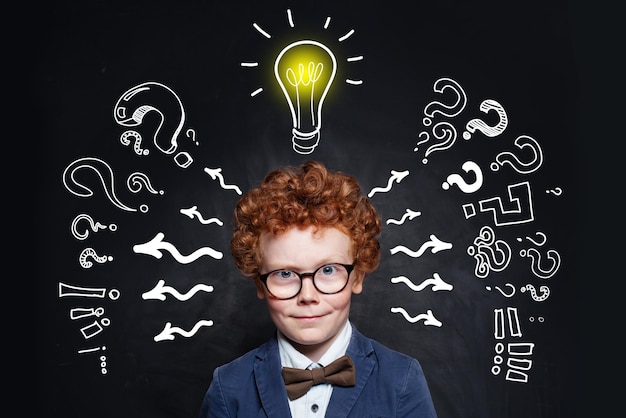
260	289
357	281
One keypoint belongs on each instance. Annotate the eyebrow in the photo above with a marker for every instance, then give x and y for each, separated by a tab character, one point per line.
299	270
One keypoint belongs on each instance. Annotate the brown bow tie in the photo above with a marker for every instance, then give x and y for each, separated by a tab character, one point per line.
298	381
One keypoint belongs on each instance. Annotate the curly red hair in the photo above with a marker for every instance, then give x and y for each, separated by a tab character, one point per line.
309	195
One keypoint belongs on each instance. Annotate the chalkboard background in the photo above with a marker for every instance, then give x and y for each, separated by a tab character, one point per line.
104	349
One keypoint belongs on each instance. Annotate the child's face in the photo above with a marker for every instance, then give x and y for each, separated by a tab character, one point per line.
311	320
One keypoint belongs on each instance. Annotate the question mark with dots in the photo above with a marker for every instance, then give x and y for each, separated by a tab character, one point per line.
545	292
91	253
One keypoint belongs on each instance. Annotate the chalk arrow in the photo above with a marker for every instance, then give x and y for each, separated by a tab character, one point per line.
193	211
396	176
216	173
157	244
410	215
169	331
436	282
435	244
428	317
160	290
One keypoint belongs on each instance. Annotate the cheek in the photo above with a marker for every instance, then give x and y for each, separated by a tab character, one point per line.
340	302
275	307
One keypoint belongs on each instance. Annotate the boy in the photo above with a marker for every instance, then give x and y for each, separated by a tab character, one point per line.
308	237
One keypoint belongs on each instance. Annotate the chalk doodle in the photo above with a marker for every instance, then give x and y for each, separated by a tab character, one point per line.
517	209
518	362
193	212
160	290
408	215
488	130
88	253
169	331
502	292
95	226
436	282
428	317
155	246
216	174
434	244
153	97
396	176
443	131
522	167
491	254
461	183
104	173
305	70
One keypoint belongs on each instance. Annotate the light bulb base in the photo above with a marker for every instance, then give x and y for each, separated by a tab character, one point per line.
305	142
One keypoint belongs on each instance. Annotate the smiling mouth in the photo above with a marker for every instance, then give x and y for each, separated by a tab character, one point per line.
308	318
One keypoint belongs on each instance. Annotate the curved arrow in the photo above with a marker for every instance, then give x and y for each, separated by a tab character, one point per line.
396	176
435	243
159	291
428	317
436	282
169	330
154	247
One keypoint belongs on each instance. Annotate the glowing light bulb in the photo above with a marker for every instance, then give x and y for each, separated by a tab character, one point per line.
305	70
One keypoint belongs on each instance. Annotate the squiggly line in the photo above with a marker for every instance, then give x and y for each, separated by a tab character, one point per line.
410	215
154	247
216	173
428	317
435	243
192	211
396	176
436	282
169	330
158	292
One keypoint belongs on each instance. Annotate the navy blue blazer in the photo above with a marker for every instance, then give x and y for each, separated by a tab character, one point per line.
388	384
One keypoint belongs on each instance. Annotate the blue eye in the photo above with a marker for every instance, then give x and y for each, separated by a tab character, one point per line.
329	269
285	274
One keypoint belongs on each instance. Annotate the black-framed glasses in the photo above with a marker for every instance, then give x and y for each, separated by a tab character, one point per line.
328	279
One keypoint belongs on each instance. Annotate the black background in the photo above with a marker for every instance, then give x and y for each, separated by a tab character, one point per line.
531	57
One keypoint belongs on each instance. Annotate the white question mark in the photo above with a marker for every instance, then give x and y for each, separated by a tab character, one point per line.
457	107
105	174
521	142
468	166
445	131
478	124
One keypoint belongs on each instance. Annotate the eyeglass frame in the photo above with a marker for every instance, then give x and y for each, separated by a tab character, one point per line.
349	268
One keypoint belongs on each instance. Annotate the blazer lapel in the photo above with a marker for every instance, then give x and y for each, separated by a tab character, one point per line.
269	381
343	399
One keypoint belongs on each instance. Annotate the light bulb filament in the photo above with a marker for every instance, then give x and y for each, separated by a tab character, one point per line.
306	78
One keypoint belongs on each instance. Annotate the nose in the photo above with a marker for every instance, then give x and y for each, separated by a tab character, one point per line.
308	293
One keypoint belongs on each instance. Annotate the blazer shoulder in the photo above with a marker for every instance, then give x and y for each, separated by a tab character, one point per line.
368	346
245	361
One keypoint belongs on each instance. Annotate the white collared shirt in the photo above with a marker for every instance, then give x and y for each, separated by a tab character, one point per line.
313	404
